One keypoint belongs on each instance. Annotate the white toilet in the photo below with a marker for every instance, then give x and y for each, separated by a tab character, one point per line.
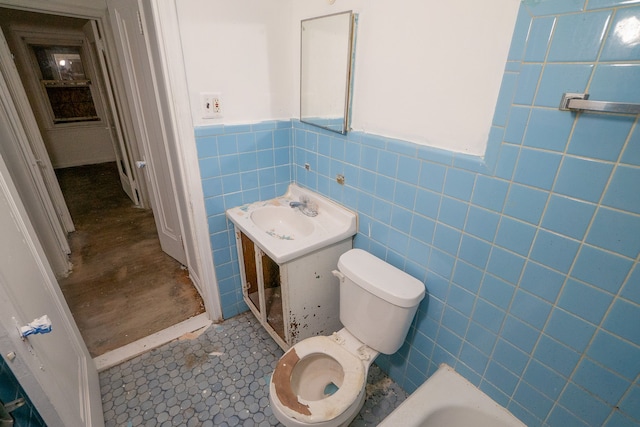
321	381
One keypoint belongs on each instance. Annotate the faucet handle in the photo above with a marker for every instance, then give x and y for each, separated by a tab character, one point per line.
312	205
306	206
310	208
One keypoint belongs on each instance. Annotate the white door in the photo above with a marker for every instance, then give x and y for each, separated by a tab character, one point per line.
112	117
128	26
57	364
34	151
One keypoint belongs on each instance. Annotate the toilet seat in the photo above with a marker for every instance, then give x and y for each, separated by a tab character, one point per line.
316	411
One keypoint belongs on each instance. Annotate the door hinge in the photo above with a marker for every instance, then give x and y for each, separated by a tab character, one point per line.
140	27
98	36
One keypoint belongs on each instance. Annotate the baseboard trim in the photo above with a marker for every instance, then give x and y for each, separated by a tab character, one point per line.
136	348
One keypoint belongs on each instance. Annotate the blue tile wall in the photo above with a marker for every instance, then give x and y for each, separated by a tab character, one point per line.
10	390
530	256
239	164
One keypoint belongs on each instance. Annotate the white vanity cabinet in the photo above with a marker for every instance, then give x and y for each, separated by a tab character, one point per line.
287	250
294	300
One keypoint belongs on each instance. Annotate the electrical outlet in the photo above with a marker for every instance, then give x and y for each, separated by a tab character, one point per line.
211	104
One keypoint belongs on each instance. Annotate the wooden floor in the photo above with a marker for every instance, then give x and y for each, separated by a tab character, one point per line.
122	287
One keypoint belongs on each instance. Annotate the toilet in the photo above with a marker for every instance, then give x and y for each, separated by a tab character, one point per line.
321	380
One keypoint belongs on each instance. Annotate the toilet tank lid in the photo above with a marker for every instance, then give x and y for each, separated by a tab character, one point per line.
381	278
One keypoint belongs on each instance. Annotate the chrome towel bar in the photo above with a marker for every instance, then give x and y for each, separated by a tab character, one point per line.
581	102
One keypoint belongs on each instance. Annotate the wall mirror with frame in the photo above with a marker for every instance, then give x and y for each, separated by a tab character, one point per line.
326	62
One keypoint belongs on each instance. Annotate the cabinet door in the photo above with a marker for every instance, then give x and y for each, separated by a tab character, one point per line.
250	287
273	295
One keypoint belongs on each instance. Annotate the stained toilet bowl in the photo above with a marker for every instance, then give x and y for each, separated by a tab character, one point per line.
318	382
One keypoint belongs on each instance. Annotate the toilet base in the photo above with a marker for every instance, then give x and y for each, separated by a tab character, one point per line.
342	420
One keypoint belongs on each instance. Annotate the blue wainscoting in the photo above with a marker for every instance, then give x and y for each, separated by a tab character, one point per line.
238	165
530	255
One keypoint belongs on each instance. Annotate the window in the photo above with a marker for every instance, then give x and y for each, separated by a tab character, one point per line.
64	80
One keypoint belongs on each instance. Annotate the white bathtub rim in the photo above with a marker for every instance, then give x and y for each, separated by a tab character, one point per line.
445	389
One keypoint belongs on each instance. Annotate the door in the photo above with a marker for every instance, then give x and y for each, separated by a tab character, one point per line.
128	25
34	151
26	170
58	361
112	117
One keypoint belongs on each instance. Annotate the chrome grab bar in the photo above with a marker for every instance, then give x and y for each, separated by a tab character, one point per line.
581	102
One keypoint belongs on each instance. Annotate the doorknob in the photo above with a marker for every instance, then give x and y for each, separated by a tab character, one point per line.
141	164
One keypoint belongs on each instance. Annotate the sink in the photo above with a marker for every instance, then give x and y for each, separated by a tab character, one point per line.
282	222
284	233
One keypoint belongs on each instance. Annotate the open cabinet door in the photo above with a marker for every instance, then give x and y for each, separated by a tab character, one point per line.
120	147
55	369
128	24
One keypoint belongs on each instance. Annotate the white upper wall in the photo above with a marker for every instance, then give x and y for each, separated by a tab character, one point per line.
430	71
426	71
242	50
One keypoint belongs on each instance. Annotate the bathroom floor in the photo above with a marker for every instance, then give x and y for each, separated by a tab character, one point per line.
219	378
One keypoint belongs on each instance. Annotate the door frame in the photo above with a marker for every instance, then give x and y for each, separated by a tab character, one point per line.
35	153
135	49
40	382
113	117
176	110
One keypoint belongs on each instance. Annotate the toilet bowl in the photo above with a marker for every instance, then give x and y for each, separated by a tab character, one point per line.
321	381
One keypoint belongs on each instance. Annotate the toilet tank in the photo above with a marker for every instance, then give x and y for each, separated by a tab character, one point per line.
377	300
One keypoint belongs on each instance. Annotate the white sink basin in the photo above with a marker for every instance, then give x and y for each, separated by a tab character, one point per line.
284	233
282	222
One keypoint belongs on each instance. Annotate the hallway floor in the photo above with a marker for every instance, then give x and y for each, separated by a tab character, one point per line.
218	379
122	287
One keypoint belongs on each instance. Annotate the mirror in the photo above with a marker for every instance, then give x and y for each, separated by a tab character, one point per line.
326	56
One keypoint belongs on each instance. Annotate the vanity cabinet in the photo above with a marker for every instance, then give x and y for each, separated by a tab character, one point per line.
294	300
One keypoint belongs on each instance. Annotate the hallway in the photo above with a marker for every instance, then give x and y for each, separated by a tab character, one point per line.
122	286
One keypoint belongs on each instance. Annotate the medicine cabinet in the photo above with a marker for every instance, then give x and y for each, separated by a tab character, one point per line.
326	62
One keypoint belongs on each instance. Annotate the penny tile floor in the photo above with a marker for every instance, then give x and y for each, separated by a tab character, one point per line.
220	378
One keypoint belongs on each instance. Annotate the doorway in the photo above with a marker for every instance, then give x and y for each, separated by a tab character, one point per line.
123	287
95	180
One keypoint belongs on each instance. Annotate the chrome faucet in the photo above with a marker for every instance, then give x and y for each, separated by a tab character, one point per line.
305	206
